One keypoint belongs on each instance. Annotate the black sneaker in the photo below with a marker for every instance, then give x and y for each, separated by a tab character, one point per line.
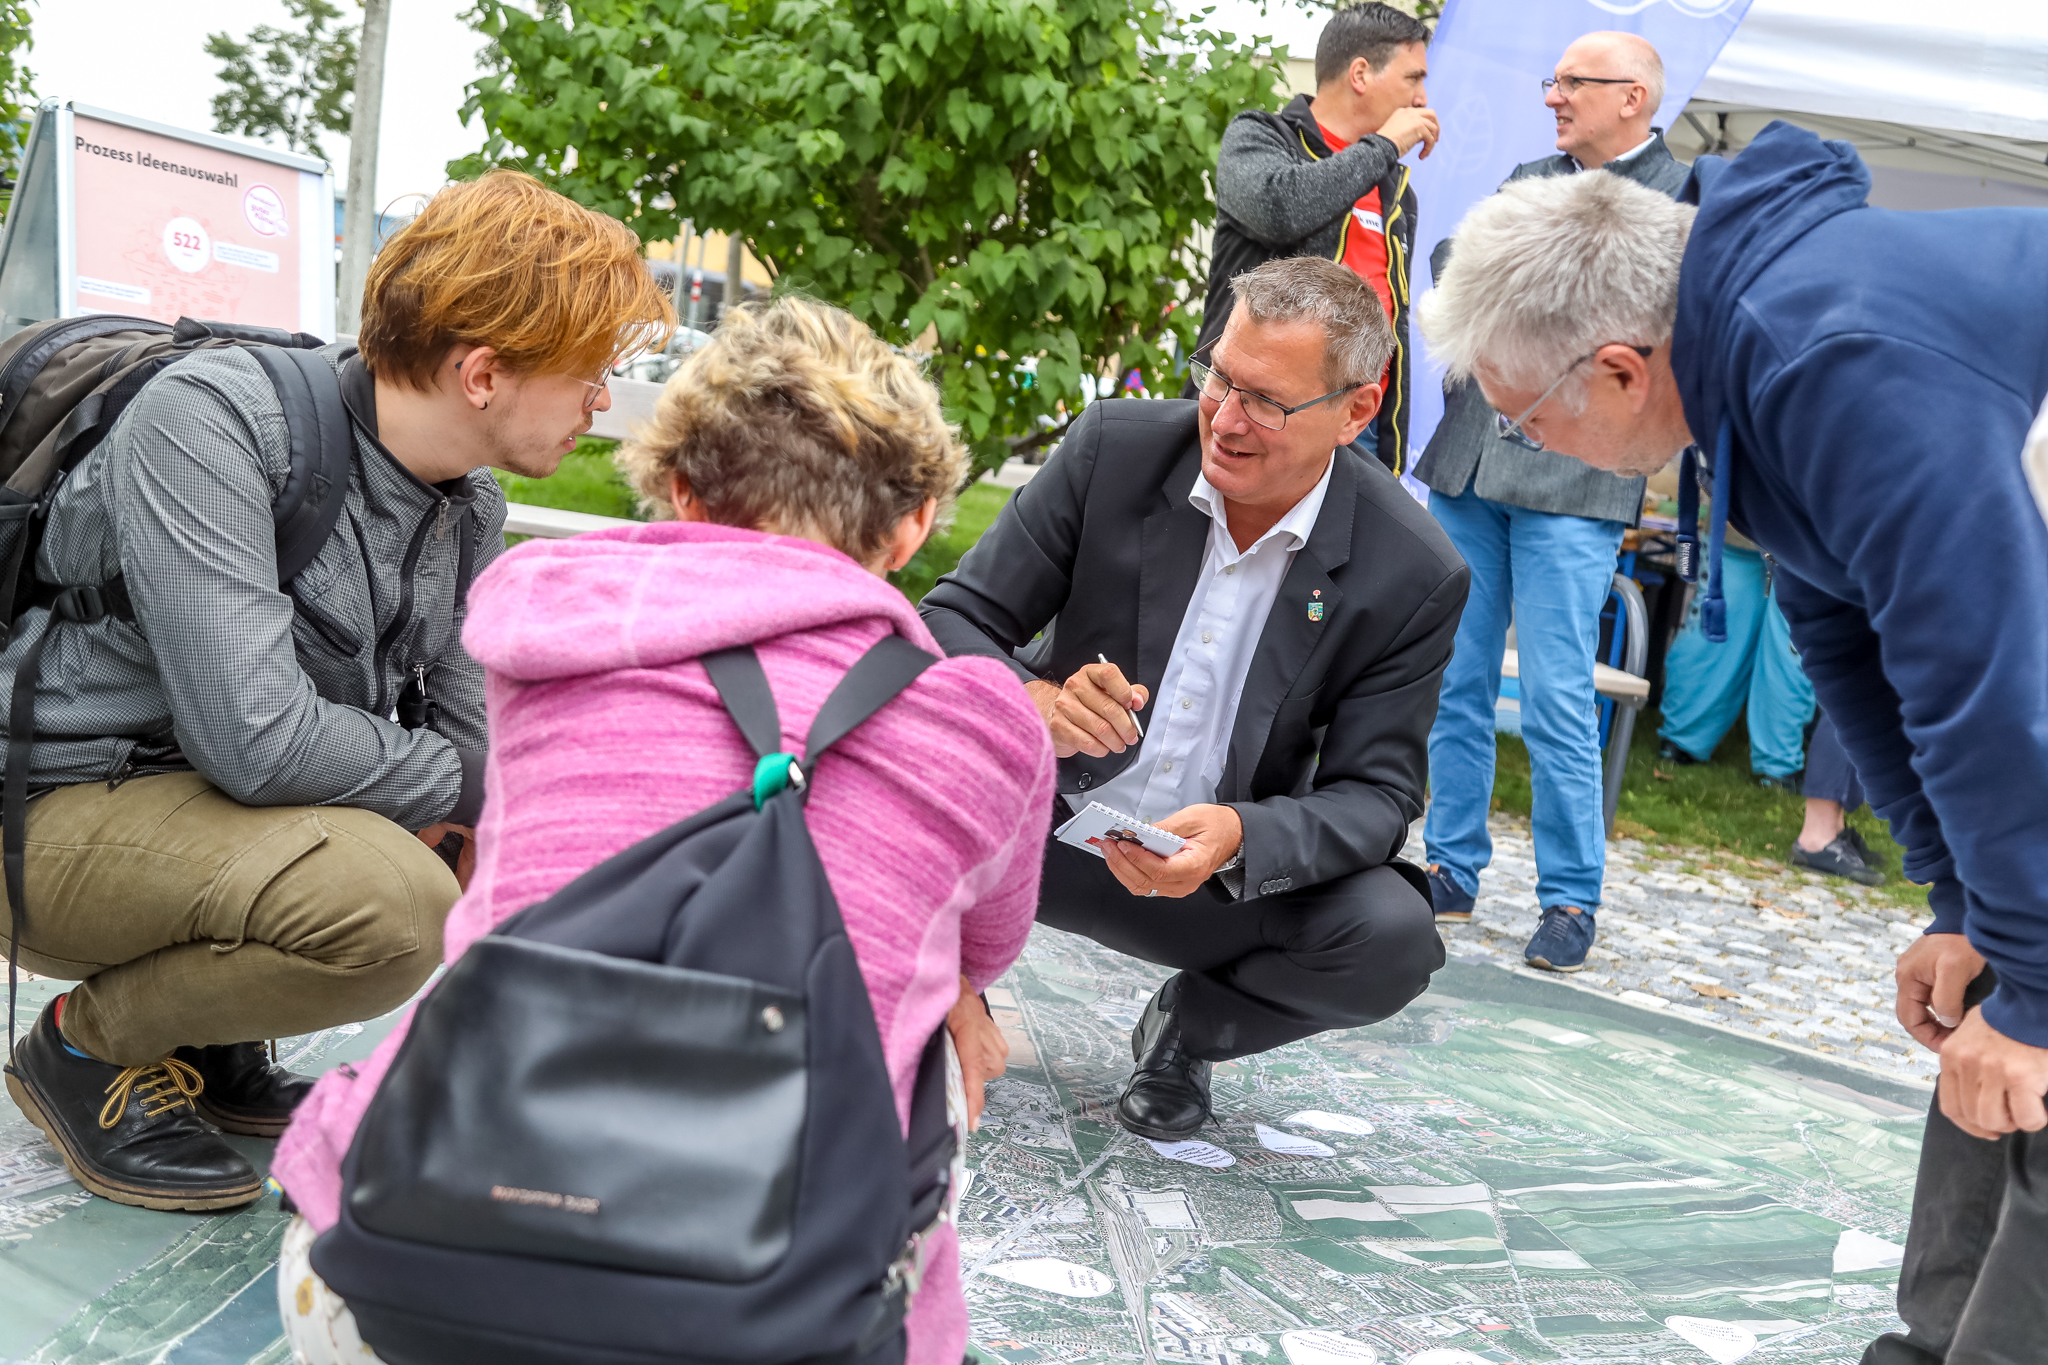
1167	1099
1793	783
1863	851
127	1133
1838	859
245	1091
1671	753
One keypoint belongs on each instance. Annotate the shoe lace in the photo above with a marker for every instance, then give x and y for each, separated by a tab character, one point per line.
162	1086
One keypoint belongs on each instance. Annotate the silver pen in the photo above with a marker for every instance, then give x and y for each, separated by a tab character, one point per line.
1104	658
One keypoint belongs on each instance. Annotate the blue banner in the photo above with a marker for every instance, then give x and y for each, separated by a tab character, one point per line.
1486	65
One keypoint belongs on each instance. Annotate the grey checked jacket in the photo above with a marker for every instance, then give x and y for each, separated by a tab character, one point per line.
278	698
1466	447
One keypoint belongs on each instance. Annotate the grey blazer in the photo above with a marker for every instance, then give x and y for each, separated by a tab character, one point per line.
1466	447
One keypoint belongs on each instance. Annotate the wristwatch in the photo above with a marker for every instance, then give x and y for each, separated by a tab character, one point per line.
1236	861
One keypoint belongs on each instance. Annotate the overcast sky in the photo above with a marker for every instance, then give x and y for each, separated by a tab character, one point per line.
146	58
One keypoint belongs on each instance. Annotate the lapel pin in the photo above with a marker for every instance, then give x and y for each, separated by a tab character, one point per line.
1315	611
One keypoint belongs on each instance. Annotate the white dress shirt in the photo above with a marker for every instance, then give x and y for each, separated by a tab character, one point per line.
1187	726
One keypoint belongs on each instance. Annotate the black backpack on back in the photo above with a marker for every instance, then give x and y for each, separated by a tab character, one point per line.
63	384
647	1121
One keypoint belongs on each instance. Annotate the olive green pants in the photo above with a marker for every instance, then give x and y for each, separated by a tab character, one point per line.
190	919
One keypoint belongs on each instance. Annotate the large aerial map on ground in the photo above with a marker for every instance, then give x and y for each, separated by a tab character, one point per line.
1511	1171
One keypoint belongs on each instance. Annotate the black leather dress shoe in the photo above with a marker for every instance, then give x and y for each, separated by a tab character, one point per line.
245	1091
127	1133
1168	1096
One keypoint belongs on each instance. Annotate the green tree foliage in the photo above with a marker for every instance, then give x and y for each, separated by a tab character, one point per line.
1017	182
17	84
288	83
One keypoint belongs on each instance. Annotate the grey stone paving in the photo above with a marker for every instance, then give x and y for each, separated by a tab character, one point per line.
1806	960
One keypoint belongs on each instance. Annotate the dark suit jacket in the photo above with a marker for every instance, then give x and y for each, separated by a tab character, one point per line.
1330	749
1466	447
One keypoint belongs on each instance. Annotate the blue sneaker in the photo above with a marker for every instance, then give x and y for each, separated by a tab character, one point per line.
1562	940
1451	903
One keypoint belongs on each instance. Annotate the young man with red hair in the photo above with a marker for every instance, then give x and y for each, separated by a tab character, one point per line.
240	786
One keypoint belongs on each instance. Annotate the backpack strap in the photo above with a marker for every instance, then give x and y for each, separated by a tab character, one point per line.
892	664
323	446
743	687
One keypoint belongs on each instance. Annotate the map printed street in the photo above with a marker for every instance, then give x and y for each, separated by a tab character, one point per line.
1510	1171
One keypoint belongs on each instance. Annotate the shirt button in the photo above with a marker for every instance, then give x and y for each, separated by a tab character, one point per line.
1186	702
1230	568
1166	766
1207	637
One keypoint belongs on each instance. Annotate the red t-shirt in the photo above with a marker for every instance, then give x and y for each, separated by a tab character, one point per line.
1365	236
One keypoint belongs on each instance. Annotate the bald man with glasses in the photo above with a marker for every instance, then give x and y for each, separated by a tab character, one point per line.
1540	531
1279	612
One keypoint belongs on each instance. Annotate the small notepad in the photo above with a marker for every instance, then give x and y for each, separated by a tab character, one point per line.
1098	823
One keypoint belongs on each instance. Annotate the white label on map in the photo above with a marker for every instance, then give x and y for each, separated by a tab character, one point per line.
248	257
107	289
186	245
1857	1250
1724	1342
1358	1210
1326	1348
1194	1153
1055	1277
1330	1123
1289	1144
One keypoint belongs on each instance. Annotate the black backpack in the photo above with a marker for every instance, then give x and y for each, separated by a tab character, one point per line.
647	1121
63	384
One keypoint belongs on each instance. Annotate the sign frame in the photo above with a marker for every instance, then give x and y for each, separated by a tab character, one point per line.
52	135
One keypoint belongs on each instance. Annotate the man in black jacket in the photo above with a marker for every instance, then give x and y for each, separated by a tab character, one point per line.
1323	177
1292	608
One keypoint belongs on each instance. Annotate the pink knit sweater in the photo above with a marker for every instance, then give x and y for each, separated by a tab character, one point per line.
930	819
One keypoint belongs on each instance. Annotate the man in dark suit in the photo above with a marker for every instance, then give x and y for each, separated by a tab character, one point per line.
1292	608
1540	531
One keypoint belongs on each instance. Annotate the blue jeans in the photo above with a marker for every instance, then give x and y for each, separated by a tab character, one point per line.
1553	573
1706	685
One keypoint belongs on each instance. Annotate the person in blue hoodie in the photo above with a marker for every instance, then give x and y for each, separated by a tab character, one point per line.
1857	385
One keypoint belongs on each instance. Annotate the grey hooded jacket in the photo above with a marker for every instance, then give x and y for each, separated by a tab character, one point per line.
1466	447
278	697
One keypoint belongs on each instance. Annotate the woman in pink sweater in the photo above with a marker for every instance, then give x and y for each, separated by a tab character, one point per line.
804	461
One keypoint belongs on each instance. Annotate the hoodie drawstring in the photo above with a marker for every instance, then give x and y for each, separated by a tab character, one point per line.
1714	610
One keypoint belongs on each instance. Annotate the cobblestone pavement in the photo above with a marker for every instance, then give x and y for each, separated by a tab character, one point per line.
1764	949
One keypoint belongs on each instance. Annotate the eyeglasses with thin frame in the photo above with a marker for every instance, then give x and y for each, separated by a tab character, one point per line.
1262	410
594	387
1570	84
1511	431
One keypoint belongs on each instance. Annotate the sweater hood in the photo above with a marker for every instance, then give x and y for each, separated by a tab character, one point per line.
654	595
1751	210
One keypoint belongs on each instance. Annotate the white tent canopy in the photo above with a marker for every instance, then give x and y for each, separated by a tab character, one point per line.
1947	103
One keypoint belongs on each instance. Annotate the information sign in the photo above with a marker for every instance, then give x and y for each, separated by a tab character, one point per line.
115	214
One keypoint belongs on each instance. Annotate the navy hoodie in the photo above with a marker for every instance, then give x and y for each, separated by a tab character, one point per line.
1878	371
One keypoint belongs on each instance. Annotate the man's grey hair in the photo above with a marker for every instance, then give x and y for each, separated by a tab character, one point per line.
1311	289
1375	32
1636	59
1551	269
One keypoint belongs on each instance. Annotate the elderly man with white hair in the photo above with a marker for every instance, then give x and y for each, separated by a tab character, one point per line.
1540	531
1858	386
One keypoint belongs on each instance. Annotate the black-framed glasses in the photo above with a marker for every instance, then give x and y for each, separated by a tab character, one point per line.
1570	84
1262	410
1511	431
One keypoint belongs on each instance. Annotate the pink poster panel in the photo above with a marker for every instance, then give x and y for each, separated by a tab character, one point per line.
169	229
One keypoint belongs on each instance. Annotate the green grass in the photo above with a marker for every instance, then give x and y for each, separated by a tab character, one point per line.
587	482
977	508
1715	805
